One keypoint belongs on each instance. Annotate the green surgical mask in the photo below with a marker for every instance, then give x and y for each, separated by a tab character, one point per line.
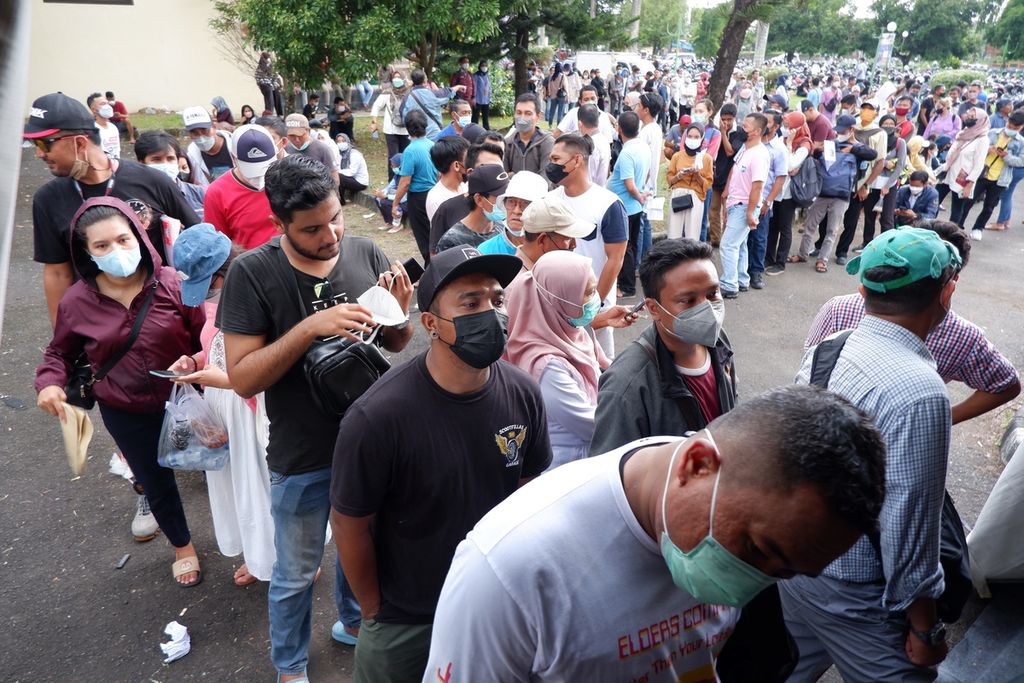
709	572
590	311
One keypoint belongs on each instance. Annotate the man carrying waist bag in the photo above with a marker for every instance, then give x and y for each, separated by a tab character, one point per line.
266	338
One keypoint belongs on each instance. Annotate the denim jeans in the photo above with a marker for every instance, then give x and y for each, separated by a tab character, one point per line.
365	93
757	244
733	249
644	239
1006	205
704	219
300	505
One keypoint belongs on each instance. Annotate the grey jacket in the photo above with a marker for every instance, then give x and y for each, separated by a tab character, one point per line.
536	155
1014	156
639	397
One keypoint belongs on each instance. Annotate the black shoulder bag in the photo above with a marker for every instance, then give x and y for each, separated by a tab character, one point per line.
338	370
956	567
79	385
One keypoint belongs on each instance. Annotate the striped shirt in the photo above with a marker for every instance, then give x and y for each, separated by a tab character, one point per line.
887	371
961	351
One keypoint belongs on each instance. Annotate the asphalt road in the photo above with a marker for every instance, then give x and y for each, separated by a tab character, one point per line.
69	615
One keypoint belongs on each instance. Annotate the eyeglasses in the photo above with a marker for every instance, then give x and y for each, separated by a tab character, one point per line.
43	144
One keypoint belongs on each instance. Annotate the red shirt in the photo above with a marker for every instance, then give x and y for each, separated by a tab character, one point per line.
238	211
821	129
704	387
119	110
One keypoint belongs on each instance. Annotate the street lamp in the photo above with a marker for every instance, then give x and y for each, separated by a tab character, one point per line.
891	27
902	43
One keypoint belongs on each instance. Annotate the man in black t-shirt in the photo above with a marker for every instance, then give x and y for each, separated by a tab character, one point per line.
731	141
425	453
277	300
67	141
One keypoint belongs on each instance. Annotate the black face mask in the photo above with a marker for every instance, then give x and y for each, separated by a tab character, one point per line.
183	176
479	337
969	122
556	173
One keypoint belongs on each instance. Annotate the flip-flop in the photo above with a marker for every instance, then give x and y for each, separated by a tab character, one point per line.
796	259
396	229
187	565
820	266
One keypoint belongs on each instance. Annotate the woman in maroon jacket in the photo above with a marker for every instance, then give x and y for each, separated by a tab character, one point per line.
117	269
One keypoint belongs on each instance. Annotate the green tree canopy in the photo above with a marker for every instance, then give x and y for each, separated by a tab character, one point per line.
659	21
1007	33
817	27
707	35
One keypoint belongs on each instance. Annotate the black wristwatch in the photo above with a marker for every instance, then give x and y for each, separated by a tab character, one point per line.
933	636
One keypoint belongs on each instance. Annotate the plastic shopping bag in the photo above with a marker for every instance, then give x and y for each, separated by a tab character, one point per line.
192	436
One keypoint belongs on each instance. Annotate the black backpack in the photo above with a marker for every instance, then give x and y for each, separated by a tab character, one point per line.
805	186
956	567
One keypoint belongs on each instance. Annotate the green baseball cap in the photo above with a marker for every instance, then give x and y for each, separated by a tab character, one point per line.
922	252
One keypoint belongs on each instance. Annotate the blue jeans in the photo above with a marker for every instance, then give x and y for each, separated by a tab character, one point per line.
1006	205
365	92
644	239
300	505
757	244
556	110
704	220
733	249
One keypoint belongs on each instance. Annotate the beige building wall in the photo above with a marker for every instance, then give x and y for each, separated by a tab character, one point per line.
154	53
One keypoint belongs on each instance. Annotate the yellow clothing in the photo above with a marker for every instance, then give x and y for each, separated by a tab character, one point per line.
993	161
700	182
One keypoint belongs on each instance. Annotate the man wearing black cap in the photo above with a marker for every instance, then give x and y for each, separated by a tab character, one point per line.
66	139
425	453
485	218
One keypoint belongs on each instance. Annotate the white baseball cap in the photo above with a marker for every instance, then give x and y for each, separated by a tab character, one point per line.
196	117
525	185
551	214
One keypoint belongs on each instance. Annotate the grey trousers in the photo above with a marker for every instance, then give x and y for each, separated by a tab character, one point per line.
835	622
822	206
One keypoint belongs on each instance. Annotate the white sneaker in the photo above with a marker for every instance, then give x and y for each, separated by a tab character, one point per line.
976	235
144	526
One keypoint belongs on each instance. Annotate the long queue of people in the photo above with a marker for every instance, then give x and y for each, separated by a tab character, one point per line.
490	498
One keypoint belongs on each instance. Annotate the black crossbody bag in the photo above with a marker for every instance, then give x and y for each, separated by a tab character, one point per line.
338	370
79	385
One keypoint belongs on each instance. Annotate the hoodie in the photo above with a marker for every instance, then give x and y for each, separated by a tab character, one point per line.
93	323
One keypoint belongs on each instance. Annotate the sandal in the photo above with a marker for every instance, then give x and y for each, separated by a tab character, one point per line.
396	229
243	577
187	565
997	226
796	258
820	266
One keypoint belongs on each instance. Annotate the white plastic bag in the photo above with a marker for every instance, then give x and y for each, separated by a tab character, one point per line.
192	436
996	543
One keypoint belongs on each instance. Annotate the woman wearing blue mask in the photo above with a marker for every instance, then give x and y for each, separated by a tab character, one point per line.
549	315
122	285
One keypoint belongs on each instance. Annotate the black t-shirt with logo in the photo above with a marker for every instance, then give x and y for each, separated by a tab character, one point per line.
259	299
429	464
55	204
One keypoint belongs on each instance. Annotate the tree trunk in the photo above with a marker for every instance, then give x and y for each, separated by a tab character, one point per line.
729	51
522	54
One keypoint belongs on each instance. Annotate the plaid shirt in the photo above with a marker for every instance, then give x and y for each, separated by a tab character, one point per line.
887	371
959	347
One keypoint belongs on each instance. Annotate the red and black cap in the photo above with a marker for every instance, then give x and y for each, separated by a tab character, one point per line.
56	112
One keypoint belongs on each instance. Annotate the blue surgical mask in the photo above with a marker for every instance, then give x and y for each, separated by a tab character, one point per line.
590	311
119	262
700	118
496	215
463	121
709	572
304	145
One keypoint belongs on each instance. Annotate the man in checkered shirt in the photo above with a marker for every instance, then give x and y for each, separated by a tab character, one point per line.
961	351
872	612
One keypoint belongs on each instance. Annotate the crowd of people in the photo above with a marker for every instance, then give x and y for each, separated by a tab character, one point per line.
490	498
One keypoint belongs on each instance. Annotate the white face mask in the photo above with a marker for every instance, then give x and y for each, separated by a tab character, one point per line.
257	183
692	143
106	111
170	169
343	146
916	190
205	142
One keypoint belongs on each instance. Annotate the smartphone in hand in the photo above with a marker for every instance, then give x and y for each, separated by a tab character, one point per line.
414	269
168	374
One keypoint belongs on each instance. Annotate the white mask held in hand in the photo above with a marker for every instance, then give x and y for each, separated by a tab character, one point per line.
383	306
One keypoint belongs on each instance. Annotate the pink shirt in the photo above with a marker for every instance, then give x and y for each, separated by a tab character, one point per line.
241	213
751	166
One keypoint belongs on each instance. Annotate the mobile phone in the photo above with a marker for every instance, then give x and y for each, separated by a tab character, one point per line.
636	308
414	269
168	374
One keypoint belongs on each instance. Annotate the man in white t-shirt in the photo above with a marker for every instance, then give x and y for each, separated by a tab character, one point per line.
570	122
110	136
648	108
633	565
449	157
601	157
606	246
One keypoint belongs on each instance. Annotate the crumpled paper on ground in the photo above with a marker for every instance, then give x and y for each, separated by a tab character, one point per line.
180	643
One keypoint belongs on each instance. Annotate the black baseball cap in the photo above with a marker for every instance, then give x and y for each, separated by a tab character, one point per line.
489	179
453	263
778	100
56	112
806	105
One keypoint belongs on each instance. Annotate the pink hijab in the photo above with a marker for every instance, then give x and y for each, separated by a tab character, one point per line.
538	304
966	135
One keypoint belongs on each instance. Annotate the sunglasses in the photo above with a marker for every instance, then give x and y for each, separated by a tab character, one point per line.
44	144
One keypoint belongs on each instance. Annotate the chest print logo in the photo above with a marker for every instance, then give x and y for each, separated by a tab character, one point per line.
510	443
